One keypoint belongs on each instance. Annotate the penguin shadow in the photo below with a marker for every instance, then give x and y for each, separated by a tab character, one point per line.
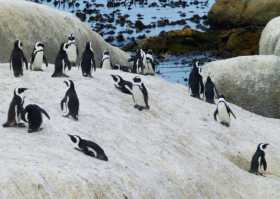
239	161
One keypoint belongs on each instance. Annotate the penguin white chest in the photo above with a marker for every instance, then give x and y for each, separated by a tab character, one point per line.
72	53
138	95
38	61
106	64
223	114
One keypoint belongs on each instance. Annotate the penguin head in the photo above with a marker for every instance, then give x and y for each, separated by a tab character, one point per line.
262	146
39	45
116	78
19	91
75	139
18	44
71	37
106	52
137	80
69	83
209	79
89	46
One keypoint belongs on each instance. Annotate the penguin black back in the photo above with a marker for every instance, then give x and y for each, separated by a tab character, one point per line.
17	59
88	147
258	160
61	62
70	100
122	85
195	81
210	91
88	60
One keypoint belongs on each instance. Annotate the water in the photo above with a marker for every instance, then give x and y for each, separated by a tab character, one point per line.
148	16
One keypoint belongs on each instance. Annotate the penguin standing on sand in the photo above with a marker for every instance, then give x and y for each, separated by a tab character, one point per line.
72	50
106	60
88	61
150	63
122	85
38	57
70	101
210	91
88	147
61	62
32	114
195	81
17	59
140	94
258	160
224	112
16	109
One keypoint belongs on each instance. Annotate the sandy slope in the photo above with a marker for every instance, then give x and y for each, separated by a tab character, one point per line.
175	150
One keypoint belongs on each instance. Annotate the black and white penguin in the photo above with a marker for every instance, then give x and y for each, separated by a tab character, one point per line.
138	65
258	161
210	91
70	101
38	57
88	147
16	109
149	63
32	114
122	85
61	62
17	59
106	60
195	81
88	61
140	94
72	50
224	112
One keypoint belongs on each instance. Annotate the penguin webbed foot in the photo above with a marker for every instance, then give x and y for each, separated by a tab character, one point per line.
34	130
20	125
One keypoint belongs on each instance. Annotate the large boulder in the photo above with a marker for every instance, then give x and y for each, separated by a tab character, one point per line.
270	38
236	13
251	82
30	22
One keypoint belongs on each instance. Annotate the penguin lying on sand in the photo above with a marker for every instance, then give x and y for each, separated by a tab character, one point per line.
258	160
16	109
224	112
122	85
88	147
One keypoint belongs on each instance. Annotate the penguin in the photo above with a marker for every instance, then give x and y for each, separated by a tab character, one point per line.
140	94
17	59
32	114
72	50
138	65
61	62
122	85
195	82
15	109
210	91
224	112
88	147
38	57
106	61
88	61
258	160
150	63
70	101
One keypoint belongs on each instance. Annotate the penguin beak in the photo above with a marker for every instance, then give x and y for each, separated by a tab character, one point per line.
66	83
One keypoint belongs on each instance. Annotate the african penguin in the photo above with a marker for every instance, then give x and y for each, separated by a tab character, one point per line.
61	62
195	81
88	147
122	85
70	101
17	59
210	91
106	60
88	61
32	114
224	112
140	94
16	109
72	50
258	160
38	57
149	63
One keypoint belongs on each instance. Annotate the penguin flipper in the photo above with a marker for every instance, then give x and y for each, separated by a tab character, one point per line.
45	60
45	113
263	163
230	111
62	103
215	114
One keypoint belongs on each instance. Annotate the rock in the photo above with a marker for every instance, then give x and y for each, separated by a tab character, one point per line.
139	25
30	22
237	13
270	37
251	82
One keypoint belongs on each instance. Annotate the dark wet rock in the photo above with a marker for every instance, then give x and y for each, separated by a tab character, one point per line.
163	22
139	25
81	16
120	38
